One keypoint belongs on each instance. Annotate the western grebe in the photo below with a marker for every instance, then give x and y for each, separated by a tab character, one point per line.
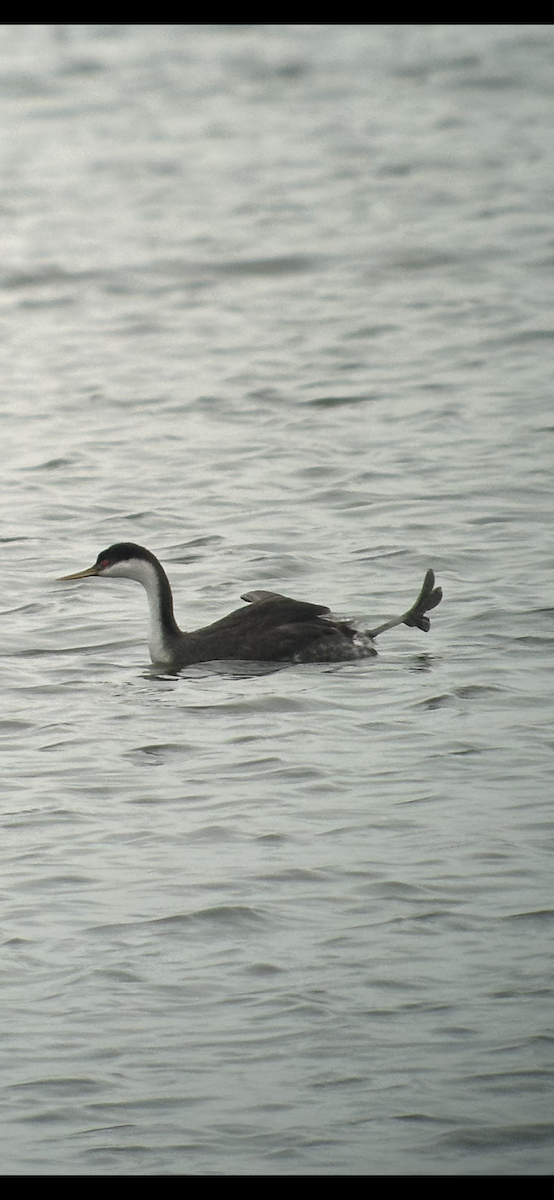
272	628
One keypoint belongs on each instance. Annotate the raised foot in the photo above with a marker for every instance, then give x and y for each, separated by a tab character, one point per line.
428	598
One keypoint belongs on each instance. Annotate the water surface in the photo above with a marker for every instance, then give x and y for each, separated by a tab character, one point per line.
276	302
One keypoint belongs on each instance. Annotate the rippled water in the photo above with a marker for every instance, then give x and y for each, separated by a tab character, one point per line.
276	302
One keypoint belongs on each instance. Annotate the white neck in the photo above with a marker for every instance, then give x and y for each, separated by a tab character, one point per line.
145	573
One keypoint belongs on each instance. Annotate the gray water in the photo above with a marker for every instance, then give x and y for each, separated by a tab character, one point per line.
277	302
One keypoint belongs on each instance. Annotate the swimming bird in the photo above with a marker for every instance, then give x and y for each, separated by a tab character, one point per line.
270	628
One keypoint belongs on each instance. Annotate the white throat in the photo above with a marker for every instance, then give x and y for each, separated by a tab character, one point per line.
143	572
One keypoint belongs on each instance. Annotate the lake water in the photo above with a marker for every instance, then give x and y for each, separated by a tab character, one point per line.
277	303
